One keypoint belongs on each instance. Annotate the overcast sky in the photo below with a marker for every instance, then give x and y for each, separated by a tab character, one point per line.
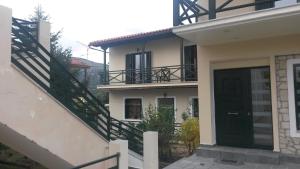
84	21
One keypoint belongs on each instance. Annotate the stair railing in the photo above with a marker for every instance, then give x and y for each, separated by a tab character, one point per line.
48	72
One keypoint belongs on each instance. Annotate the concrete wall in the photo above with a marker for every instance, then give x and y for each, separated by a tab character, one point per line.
32	114
182	96
234	55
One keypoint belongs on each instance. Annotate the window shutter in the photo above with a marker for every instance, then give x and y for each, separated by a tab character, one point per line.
264	5
148	67
130	66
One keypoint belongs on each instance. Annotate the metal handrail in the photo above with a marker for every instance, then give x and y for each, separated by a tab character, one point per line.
44	69
151	75
117	156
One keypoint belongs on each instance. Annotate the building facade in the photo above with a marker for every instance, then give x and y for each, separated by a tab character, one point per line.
154	69
247	69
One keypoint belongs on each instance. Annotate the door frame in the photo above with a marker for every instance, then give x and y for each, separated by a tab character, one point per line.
214	104
175	104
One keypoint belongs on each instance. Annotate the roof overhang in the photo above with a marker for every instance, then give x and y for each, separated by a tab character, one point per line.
254	25
134	38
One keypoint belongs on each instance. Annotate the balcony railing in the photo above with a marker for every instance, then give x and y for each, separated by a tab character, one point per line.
189	11
166	74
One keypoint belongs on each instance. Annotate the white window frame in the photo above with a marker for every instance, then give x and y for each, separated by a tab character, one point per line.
291	97
124	105
162	97
191	105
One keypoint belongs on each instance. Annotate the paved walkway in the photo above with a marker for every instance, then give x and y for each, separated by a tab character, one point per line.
196	162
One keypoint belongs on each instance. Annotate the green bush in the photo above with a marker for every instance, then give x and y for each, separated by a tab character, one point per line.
161	121
189	134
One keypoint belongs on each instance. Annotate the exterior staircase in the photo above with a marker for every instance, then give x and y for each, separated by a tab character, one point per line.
39	94
45	70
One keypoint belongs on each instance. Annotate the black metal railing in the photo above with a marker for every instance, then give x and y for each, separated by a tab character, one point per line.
43	68
110	165
128	132
177	73
189	11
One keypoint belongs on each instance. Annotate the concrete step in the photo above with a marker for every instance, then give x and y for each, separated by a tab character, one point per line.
238	156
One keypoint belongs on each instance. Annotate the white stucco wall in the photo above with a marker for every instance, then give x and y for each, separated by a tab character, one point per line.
165	52
33	115
149	96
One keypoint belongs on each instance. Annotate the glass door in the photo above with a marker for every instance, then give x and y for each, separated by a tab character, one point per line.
261	107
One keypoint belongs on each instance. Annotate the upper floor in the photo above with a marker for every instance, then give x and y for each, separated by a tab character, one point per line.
213	22
149	60
192	11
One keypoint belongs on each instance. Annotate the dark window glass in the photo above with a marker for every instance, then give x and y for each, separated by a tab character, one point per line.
195	107
262	6
297	93
133	109
261	107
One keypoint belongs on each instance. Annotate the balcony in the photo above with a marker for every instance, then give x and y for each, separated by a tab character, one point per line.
192	11
155	77
210	22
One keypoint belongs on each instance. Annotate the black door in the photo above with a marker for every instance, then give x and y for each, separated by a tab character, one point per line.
233	107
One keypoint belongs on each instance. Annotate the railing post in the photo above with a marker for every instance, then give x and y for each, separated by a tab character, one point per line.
5	37
119	128
212	13
176	20
150	141
120	146
108	125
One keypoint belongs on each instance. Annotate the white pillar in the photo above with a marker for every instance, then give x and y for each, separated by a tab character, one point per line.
5	36
120	146
151	160
44	34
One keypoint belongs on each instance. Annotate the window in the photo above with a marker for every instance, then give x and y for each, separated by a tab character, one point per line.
195	107
166	104
293	71
138	68
275	4
283	3
261	6
133	108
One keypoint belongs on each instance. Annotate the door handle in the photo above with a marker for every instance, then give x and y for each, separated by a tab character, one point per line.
231	113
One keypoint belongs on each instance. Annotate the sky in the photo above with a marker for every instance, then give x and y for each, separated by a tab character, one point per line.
83	21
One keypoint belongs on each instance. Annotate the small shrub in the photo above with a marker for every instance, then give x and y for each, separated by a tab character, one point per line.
161	121
189	134
185	116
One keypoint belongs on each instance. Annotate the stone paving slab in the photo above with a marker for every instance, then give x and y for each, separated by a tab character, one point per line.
196	162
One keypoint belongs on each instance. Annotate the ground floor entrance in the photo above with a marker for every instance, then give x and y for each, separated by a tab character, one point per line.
243	109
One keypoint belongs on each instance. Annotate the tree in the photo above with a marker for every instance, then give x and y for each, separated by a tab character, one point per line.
60	81
58	51
163	122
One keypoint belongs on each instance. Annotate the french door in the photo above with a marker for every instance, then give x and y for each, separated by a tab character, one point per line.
243	107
